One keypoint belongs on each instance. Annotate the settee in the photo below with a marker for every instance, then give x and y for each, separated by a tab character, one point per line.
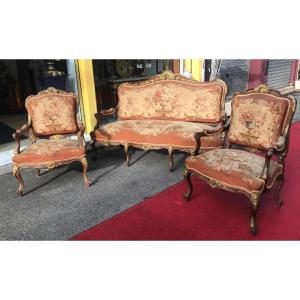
164	112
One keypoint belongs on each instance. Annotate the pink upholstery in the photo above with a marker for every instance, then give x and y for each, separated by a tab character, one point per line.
234	168
45	150
156	132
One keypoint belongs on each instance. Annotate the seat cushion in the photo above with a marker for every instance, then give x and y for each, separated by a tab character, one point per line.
234	168
49	150
156	132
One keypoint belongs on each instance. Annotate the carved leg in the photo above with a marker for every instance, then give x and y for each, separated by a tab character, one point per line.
84	169
254	202
38	172
187	177
94	148
278	187
16	172
126	148
171	162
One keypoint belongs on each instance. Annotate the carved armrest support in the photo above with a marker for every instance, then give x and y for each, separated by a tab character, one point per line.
223	115
223	126
278	147
226	123
19	132
103	113
81	132
265	174
206	132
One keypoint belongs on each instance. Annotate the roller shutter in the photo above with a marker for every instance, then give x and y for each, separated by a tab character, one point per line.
279	72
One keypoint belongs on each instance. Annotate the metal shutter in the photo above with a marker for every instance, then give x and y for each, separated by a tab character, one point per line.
235	72
279	72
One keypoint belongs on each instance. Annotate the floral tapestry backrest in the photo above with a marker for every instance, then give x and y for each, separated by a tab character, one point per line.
52	113
258	119
172	100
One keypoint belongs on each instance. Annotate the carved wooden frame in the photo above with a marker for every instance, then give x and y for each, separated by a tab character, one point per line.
27	128
166	75
280	150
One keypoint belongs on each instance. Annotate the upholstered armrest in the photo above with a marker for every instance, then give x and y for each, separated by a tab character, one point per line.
280	144
107	112
19	132
81	132
103	113
206	132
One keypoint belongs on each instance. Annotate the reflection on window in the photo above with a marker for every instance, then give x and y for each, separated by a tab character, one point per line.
109	74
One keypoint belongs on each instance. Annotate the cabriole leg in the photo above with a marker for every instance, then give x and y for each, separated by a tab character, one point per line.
84	170
187	177
254	206
94	148
171	162
16	172
278	188
126	148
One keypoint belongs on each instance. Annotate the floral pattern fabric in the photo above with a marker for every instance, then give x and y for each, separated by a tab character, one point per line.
172	100
257	120
45	150
236	168
53	114
156	132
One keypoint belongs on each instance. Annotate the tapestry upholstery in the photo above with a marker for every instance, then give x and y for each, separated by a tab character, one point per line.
234	168
258	120
156	132
172	100
45	150
52	113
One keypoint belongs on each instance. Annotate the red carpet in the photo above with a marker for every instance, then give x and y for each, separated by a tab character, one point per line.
211	214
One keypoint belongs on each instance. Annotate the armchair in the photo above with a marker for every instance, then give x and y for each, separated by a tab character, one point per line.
51	119
259	124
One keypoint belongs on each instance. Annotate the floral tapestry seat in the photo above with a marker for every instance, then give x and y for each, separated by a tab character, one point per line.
164	112
52	121
234	168
156	132
50	150
256	146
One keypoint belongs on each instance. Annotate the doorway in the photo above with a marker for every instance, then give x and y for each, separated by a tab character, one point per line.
19	79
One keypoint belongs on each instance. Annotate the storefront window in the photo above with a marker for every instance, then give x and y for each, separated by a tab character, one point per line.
109	74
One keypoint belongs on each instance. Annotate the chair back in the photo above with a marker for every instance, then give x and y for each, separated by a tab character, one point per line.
259	117
52	112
